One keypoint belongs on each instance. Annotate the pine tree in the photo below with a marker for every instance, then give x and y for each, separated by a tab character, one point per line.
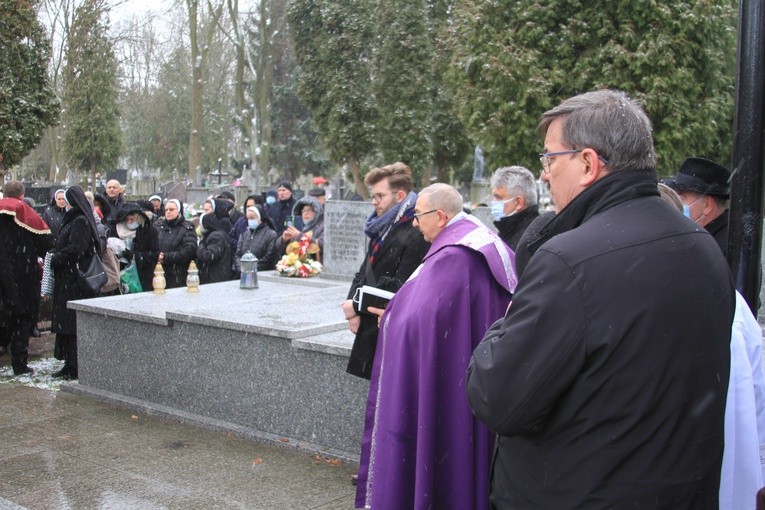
333	42
514	60
27	102
92	137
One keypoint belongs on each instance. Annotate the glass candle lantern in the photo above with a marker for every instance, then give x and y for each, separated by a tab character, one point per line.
192	279
159	283
249	276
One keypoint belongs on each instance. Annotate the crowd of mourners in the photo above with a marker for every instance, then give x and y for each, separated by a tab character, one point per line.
79	224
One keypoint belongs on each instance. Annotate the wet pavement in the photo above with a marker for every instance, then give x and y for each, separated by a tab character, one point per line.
65	451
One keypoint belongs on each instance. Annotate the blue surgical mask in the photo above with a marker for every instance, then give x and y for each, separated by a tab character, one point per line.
253	224
132	225
687	211
270	200
498	209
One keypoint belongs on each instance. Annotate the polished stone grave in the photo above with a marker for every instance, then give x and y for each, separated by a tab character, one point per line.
266	363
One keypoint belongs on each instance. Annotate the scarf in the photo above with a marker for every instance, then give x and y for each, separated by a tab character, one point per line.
609	191
378	227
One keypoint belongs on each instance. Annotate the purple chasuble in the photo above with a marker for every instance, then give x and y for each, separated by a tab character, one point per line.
422	448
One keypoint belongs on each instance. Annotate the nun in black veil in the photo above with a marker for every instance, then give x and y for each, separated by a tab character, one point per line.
76	243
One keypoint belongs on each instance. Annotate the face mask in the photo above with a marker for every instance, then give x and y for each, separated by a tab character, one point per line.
253	224
498	209
270	200
687	209
132	225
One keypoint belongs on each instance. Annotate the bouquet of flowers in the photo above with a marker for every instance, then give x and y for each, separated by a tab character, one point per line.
297	261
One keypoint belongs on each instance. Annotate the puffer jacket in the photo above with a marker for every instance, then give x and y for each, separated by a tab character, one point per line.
263	243
178	243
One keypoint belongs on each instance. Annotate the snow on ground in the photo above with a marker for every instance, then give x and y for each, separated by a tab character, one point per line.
42	378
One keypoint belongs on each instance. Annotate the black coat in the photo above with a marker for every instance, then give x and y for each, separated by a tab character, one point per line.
74	245
19	270
399	256
511	228
145	245
178	243
214	257
263	243
718	227
607	379
54	216
280	211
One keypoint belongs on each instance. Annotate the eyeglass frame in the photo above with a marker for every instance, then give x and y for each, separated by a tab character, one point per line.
378	197
417	215
544	158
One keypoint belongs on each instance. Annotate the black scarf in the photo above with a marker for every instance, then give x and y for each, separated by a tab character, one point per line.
614	189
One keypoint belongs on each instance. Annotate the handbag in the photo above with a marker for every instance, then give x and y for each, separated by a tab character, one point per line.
112	267
130	280
93	278
47	283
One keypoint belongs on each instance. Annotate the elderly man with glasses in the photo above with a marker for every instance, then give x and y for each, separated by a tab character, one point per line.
606	380
422	446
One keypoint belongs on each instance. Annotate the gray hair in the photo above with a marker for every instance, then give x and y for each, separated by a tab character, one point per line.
444	197
517	180
609	122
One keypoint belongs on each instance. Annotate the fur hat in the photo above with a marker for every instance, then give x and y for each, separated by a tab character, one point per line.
702	176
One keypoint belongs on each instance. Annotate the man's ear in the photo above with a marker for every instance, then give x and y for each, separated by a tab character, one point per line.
594	168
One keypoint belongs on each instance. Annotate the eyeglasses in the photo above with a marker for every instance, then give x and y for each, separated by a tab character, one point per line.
377	197
417	215
545	158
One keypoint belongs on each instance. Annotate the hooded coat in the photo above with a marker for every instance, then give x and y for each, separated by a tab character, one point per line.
77	241
145	249
214	254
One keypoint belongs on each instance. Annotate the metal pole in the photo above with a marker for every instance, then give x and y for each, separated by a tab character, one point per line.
745	225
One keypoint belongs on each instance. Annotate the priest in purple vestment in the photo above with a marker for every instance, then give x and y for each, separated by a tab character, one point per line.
422	448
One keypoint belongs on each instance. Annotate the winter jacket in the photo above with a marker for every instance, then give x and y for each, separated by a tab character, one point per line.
263	243
214	254
178	243
54	216
399	256
606	381
280	211
315	226
145	248
74	248
511	228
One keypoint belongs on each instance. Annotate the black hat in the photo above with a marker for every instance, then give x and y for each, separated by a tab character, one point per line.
701	176
228	195
317	192
284	184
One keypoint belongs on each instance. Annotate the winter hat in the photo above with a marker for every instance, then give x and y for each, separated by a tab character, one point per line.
227	195
702	176
284	184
